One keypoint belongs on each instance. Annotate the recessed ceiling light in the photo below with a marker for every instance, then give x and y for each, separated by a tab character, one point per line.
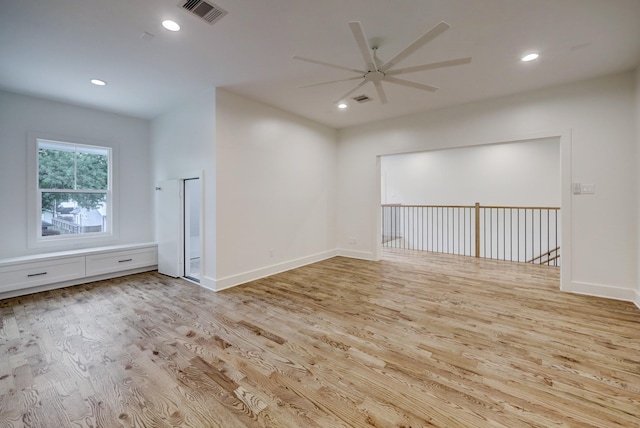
98	82
342	106
530	57
171	25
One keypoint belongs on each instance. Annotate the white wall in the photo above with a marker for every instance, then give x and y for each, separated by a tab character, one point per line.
596	116
184	146
276	177
21	114
516	174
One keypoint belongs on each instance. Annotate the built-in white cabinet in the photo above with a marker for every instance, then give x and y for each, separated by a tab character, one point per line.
32	274
116	261
28	274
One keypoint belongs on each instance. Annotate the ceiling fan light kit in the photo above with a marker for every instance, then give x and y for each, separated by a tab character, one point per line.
386	72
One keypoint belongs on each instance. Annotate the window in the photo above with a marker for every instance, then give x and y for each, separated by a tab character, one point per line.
74	190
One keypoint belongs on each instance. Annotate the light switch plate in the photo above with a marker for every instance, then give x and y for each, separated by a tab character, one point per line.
577	188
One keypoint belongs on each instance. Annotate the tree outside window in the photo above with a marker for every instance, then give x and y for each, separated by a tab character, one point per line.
73	188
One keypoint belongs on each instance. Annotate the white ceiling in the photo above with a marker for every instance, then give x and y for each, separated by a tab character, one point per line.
51	48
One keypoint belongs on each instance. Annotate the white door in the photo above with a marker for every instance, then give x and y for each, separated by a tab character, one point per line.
169	228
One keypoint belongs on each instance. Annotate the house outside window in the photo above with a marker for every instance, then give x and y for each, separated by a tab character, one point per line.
74	190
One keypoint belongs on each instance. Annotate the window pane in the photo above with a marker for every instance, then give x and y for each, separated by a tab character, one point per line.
55	168
75	213
92	170
70	166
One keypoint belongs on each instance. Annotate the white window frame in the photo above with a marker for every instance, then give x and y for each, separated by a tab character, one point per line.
70	241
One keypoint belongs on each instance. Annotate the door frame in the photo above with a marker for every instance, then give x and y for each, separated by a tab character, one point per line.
186	240
565	136
178	238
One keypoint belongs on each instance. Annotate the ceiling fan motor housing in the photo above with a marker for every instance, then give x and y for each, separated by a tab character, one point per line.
374	76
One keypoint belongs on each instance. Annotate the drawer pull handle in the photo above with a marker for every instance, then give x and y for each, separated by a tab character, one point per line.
36	274
125	260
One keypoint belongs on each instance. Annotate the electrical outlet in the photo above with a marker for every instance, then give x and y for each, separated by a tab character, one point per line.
353	240
588	189
271	253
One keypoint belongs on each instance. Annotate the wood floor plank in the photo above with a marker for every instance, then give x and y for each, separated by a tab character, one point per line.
414	340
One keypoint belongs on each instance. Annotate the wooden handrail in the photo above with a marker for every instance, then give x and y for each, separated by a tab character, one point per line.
428	206
549	260
548	253
471	206
519	208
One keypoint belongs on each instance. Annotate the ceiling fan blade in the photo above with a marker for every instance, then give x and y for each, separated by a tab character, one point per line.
314	61
410	84
361	40
381	94
358	86
427	37
330	81
431	66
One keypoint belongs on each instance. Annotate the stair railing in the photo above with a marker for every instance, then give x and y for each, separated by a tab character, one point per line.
510	233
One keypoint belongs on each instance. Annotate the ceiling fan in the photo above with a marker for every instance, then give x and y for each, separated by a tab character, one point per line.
377	74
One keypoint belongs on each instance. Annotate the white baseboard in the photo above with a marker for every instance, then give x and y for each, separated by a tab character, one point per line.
208	283
242	278
352	254
85	280
637	299
599	290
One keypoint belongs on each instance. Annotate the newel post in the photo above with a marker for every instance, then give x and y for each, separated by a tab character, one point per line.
477	229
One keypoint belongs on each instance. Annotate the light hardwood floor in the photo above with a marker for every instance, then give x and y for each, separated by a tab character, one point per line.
415	340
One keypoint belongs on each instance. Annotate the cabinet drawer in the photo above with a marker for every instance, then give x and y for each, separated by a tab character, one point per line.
25	275
98	264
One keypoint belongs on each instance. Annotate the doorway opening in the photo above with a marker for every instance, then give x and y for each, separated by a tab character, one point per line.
192	204
498	201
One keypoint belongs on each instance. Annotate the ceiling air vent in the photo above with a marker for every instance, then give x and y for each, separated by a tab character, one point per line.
362	99
204	10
